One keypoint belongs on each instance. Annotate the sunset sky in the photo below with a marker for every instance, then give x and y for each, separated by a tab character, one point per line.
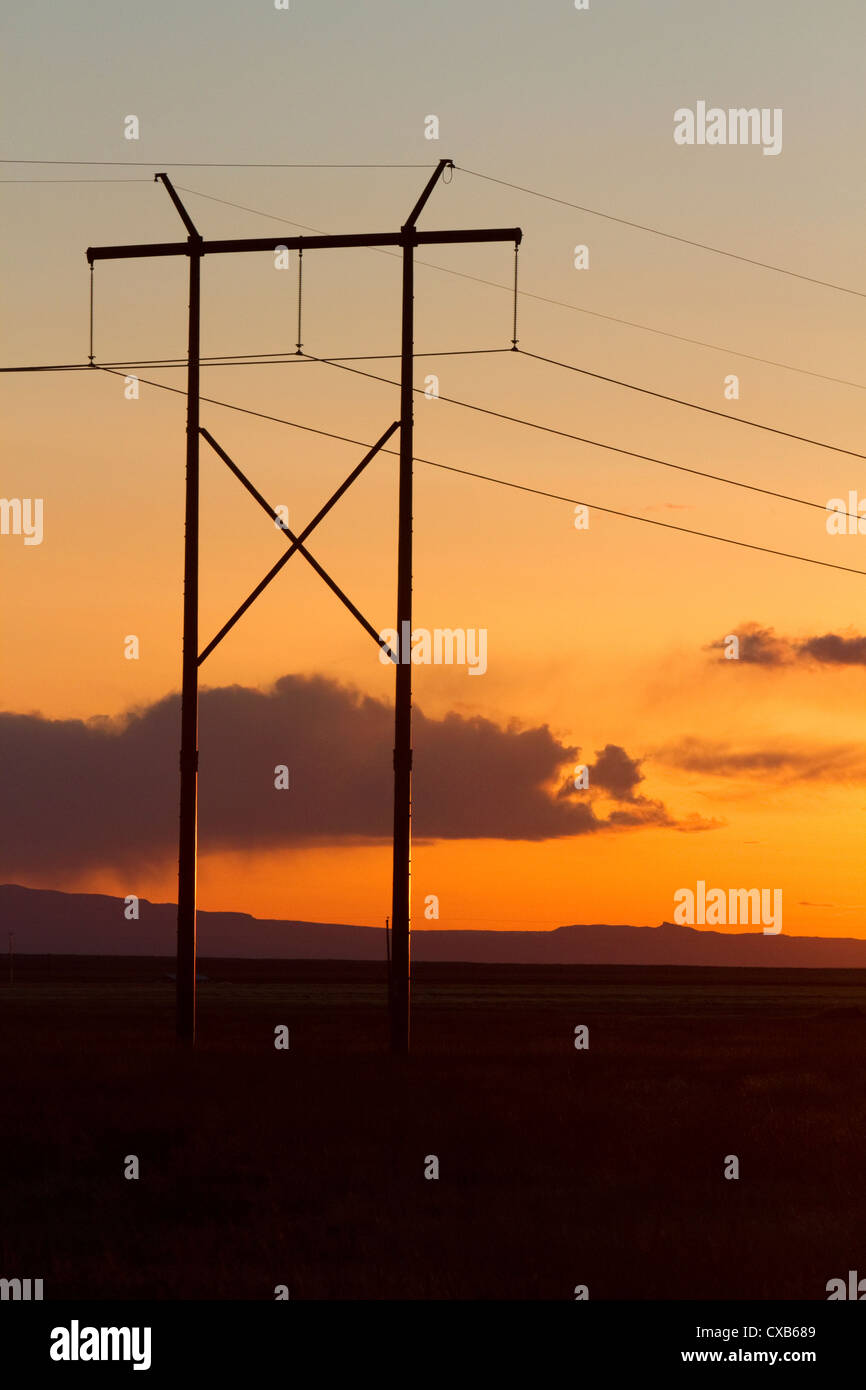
748	773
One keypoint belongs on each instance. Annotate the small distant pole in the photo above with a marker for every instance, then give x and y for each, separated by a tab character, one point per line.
388	943
12	958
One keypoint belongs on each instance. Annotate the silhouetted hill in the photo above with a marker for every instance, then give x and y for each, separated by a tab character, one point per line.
51	923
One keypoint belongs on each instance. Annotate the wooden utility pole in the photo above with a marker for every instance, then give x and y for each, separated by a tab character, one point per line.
195	248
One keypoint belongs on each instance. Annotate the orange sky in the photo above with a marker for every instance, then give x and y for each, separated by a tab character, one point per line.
603	635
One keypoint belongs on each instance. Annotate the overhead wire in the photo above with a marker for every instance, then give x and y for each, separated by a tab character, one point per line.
557	303
670	236
504	482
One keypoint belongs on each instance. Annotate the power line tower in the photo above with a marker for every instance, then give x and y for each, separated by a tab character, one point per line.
195	247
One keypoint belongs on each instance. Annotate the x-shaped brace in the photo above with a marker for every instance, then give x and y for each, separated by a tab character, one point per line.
296	543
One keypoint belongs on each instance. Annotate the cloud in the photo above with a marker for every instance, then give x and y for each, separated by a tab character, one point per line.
615	772
759	646
104	792
835	650
614	775
762	646
776	762
693	824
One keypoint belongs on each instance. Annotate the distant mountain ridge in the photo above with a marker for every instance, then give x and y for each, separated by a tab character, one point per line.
46	922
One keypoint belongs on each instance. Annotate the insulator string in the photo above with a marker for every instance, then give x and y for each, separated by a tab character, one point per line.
91	313
300	293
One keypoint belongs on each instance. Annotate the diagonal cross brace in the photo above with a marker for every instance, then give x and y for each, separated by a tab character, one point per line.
296	543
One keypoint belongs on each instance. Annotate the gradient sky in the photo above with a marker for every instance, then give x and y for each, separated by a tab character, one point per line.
605	637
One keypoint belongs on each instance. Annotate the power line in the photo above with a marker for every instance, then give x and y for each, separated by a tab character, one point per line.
691	405
202	164
277	358
534	424
473	173
503	482
613	448
558	303
647	328
463	275
670	236
256	212
105	181
266	360
699	342
543	299
649	521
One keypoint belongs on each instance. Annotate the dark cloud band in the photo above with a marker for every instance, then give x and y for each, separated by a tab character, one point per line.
104	792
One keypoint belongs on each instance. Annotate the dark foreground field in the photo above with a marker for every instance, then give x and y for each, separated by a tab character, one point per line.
557	1167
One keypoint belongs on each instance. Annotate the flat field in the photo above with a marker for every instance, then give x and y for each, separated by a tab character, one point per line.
557	1167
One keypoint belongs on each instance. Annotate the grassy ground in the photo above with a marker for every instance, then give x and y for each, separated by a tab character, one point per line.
557	1167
